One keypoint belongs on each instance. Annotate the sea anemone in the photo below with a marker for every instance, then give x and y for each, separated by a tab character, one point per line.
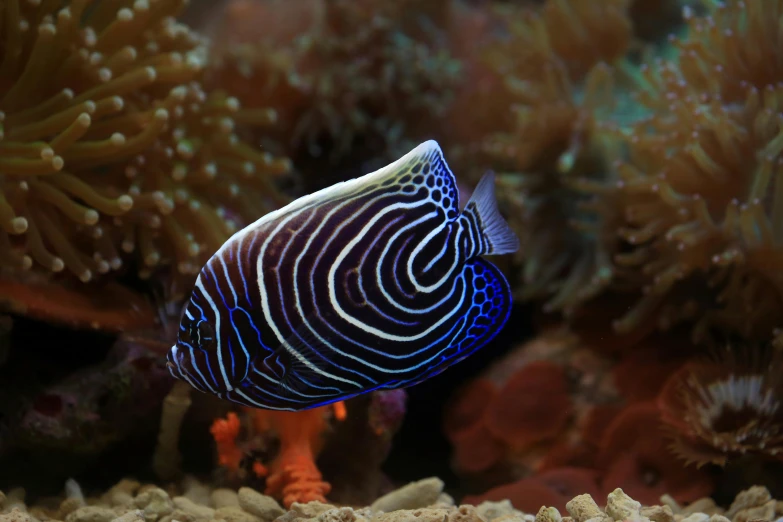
702	192
726	407
562	85
110	145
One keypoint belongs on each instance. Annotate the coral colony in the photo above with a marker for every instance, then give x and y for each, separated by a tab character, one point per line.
637	149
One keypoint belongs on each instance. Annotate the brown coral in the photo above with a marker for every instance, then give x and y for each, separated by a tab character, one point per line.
561	84
109	144
701	191
360	77
725	407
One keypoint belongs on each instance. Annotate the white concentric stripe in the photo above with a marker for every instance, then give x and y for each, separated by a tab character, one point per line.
297	303
280	385
218	332
423	152
379	279
474	234
406	369
439	256
280	291
331	280
346	250
315	235
421	246
265	300
196	367
301	394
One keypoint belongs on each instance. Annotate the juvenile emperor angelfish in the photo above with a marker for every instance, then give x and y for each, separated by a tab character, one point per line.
373	283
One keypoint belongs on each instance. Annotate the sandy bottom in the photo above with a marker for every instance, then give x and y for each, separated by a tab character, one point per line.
421	501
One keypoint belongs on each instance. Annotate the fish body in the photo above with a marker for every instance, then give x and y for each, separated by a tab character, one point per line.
372	283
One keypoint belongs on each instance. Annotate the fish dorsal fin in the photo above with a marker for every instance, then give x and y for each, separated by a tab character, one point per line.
424	166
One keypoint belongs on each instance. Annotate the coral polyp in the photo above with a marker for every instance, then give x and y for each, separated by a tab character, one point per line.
109	144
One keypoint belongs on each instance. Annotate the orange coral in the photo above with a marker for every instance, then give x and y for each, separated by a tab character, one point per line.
293	475
225	432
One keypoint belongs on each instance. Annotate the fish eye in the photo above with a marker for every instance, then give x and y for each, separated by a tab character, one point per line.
202	334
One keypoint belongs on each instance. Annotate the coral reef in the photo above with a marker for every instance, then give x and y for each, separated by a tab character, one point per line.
110	145
641	175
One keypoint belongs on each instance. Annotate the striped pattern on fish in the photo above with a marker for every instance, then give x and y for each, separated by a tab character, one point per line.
373	283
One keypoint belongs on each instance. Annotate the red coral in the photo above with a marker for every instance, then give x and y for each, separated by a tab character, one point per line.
534	405
467	408
595	422
635	457
475	447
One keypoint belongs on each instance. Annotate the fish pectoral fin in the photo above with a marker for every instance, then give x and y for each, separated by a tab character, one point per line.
483	207
303	365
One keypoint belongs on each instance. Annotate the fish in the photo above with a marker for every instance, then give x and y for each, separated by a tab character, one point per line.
374	283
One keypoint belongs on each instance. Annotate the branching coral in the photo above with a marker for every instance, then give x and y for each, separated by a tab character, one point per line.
561	83
702	191
729	406
110	145
292	475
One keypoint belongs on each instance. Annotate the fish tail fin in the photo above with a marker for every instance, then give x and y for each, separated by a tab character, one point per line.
496	237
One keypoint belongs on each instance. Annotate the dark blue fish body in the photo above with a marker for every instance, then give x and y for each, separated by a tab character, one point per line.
373	283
